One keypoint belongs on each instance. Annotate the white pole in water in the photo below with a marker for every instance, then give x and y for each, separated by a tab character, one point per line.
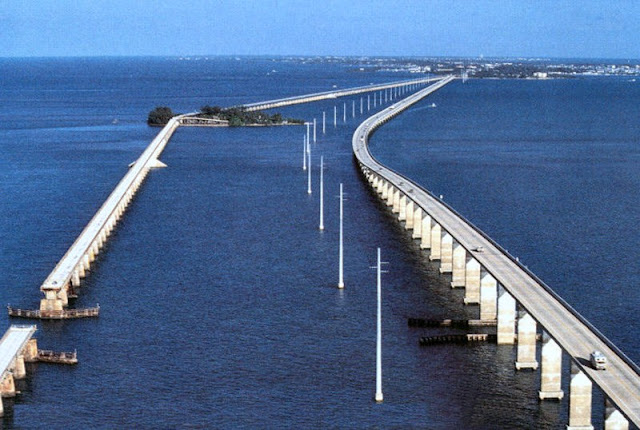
353	108
321	227
309	170
304	152
335	116
308	124
368	102
341	262
379	338
344	113
361	104
324	120
314	130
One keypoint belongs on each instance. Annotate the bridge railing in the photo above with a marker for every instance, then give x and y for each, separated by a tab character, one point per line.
386	116
85	240
333	94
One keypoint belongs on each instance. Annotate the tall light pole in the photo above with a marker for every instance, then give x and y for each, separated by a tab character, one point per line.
309	169
321	226
324	120
341	258
304	152
379	396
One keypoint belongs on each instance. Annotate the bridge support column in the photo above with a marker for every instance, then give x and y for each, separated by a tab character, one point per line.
425	241
436	235
506	317
373	180
385	190
85	262
410	211
63	296
396	201
402	211
488	296
446	253
613	419
458	276
81	271
19	370
380	187
526	358
75	278
1	408
30	351
551	370
94	249
8	386
472	281
390	195
51	302
417	223
579	400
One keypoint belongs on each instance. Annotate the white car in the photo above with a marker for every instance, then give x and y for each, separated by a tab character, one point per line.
598	360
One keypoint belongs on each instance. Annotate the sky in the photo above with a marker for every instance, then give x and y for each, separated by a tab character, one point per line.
465	28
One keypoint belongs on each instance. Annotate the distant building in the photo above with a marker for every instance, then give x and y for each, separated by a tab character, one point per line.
540	75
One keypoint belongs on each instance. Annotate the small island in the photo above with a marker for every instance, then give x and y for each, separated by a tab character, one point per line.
230	117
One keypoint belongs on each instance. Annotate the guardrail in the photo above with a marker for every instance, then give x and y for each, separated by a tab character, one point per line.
385	116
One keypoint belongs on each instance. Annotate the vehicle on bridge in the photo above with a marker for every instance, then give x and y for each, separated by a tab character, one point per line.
598	360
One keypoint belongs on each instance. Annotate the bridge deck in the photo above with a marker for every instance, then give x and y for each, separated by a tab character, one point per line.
620	382
333	94
12	343
61	274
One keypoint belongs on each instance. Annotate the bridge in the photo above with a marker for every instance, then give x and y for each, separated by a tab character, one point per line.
506	290
65	278
16	348
308	98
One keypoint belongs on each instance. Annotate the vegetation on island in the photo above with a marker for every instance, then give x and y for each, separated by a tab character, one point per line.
233	116
238	116
160	116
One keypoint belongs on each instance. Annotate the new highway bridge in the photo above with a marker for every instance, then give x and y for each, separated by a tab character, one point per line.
517	286
505	290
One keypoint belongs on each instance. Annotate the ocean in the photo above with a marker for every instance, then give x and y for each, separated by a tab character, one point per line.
219	306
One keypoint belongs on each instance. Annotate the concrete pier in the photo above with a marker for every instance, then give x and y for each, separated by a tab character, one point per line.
579	400
446	252
436	241
526	358
551	369
488	296
409	214
418	216
613	419
472	282
506	317
425	240
458	275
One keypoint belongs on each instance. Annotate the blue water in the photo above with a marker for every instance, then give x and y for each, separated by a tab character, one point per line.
217	291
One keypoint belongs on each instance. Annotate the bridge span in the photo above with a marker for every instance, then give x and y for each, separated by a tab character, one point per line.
506	290
65	278
307	98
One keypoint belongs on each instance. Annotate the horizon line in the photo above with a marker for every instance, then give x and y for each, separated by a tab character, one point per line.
347	56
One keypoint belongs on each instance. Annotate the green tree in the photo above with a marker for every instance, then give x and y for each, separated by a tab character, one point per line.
160	116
